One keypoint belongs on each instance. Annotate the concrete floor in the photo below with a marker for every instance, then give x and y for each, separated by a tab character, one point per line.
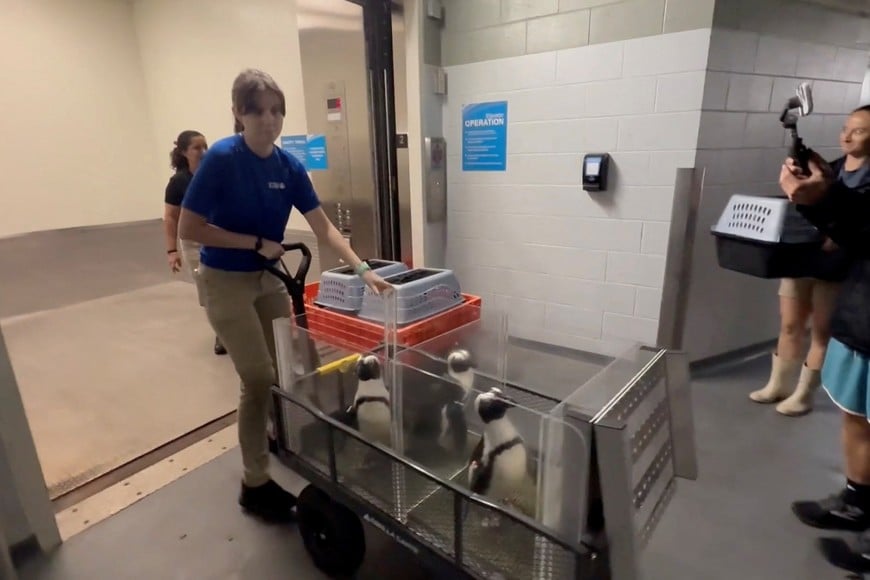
734	522
140	371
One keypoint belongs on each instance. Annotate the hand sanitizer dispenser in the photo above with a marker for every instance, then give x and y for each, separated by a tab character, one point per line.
595	167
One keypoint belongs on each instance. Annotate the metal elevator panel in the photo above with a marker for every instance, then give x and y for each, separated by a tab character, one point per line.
335	80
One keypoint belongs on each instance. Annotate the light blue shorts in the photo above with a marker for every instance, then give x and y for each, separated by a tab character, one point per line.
846	378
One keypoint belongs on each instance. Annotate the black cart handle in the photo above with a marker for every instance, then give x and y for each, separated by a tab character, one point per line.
295	284
305	264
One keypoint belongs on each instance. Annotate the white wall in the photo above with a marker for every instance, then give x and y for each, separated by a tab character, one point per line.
759	54
192	51
579	268
77	147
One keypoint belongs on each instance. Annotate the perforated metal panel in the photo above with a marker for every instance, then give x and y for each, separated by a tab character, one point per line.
645	440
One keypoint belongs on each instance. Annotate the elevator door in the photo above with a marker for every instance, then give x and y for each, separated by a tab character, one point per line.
362	187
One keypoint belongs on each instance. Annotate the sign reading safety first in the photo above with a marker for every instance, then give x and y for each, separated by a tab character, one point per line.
484	136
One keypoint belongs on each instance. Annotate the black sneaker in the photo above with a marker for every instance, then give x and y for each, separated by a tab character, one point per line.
832	513
219	348
269	501
840	554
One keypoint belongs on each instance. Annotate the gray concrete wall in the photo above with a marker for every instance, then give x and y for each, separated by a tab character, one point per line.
481	30
760	51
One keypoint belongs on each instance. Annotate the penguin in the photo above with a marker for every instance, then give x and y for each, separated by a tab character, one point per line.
438	411
370	411
498	467
460	367
454	427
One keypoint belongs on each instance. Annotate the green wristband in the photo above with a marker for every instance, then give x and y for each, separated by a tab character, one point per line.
362	268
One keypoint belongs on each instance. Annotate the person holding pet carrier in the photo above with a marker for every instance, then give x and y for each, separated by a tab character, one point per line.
842	212
795	378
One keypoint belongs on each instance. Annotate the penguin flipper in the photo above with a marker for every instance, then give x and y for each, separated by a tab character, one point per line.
475	468
457	426
345	416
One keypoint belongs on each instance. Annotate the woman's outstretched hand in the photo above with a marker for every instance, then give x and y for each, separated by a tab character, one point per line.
377	284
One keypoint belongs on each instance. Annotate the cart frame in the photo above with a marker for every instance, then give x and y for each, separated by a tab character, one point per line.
642	440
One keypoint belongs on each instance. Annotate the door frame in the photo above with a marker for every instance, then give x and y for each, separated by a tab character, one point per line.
378	31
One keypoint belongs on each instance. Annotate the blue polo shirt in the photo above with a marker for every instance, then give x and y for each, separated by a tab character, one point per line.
237	190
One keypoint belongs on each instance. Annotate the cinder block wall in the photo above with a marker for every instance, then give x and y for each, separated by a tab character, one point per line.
483	30
625	77
760	52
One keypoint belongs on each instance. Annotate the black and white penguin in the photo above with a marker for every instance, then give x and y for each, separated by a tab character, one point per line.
370	411
498	468
460	367
454	427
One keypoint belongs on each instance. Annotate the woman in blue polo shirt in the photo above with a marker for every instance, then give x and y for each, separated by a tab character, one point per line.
237	206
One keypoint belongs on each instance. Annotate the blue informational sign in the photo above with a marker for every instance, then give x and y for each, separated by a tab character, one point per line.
317	158
310	150
484	137
297	146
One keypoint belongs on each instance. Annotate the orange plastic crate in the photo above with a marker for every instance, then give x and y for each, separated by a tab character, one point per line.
352	333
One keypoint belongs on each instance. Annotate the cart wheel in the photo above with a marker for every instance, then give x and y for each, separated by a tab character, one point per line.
333	535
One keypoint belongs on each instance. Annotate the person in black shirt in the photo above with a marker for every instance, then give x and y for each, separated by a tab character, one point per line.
184	158
842	212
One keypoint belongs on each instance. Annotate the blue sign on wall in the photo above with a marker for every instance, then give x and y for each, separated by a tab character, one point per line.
317	158
297	146
310	150
484	137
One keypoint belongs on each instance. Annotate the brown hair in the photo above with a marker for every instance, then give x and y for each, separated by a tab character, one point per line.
176	156
247	86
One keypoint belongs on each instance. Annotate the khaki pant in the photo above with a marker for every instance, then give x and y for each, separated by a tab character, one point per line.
241	307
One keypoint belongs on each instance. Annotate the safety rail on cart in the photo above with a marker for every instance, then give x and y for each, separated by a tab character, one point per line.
602	456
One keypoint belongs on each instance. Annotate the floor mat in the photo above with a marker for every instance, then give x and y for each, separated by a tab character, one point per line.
108	380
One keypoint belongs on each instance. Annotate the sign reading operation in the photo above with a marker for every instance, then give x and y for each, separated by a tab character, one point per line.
484	136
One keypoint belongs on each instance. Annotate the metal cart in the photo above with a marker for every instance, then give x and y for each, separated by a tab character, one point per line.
605	452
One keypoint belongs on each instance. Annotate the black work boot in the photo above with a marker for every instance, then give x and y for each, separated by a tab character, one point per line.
837	512
269	501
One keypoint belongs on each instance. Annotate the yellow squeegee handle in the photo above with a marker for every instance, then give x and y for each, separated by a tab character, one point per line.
340	365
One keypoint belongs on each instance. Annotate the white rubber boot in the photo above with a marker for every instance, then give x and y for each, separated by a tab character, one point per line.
801	401
782	378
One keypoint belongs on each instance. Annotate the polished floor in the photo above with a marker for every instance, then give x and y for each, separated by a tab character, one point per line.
108	371
734	522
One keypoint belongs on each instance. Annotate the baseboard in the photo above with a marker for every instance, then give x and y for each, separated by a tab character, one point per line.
727	359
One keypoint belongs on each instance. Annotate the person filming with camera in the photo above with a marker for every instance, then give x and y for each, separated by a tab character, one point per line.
840	209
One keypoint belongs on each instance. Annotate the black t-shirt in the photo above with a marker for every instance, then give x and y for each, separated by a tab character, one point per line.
177	186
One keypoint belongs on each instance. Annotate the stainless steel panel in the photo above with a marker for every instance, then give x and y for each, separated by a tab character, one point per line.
435	179
617	494
334	67
675	295
645	440
403	172
682	422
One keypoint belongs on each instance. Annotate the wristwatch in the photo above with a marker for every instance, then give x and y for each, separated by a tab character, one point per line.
362	268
